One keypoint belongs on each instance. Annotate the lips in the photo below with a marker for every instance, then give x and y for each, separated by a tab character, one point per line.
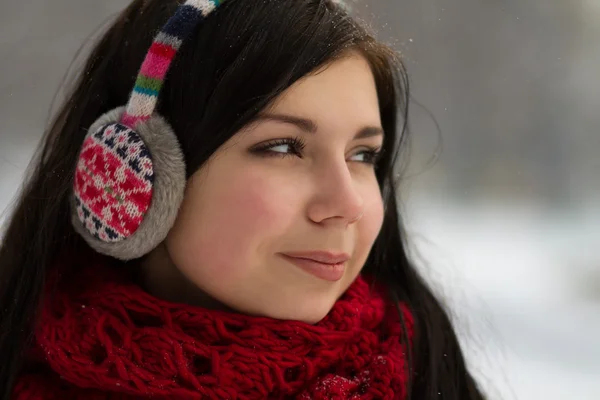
323	257
324	265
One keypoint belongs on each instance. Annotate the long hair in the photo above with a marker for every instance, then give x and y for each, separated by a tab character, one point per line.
235	64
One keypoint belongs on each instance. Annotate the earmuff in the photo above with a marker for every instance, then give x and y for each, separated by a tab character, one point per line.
130	175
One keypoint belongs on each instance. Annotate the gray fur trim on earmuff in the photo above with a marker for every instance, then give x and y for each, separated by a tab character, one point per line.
168	188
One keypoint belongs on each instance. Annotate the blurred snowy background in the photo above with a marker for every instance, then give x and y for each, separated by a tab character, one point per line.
506	223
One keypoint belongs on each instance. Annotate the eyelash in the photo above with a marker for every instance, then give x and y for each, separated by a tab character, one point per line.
297	144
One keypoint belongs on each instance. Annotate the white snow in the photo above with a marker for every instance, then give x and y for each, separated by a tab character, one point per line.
524	285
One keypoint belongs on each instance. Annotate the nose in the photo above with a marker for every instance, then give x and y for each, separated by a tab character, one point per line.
337	197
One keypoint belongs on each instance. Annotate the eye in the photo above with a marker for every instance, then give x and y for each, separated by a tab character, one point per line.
369	156
295	145
281	147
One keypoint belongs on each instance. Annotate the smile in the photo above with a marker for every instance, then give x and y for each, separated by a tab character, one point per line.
325	266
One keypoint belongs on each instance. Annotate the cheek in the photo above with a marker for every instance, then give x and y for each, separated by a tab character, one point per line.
370	224
227	221
252	205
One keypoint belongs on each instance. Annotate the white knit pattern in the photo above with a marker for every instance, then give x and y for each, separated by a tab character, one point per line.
141	105
169	40
205	6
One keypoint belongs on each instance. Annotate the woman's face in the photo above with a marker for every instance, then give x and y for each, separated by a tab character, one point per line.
297	184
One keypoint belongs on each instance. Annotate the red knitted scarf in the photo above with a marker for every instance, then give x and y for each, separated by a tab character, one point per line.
101	336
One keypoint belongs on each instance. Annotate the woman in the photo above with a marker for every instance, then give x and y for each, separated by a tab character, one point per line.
232	232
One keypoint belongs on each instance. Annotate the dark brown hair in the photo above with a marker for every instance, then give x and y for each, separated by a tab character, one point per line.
235	65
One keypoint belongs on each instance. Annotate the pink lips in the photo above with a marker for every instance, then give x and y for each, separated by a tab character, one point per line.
322	264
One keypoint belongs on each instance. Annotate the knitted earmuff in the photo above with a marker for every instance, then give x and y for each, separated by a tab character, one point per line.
130	175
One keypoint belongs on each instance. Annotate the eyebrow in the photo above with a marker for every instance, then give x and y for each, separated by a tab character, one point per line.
310	126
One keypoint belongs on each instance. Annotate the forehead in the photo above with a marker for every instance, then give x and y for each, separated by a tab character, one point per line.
343	89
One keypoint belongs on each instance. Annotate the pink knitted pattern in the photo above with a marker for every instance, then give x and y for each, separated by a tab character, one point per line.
113	182
103	336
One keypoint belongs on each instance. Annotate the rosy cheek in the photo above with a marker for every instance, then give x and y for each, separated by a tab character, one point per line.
245	219
372	220
259	204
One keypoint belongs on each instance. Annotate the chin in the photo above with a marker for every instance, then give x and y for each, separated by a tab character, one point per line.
311	318
311	312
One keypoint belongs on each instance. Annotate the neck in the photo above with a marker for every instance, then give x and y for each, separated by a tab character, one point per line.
161	278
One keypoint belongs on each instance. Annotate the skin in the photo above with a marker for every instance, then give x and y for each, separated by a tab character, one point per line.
244	208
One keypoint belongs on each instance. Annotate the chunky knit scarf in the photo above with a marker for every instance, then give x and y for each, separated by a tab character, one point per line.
101	336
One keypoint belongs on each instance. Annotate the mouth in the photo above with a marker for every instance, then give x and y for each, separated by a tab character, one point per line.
324	265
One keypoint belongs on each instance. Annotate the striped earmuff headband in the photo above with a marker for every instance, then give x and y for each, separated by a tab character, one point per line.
130	175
